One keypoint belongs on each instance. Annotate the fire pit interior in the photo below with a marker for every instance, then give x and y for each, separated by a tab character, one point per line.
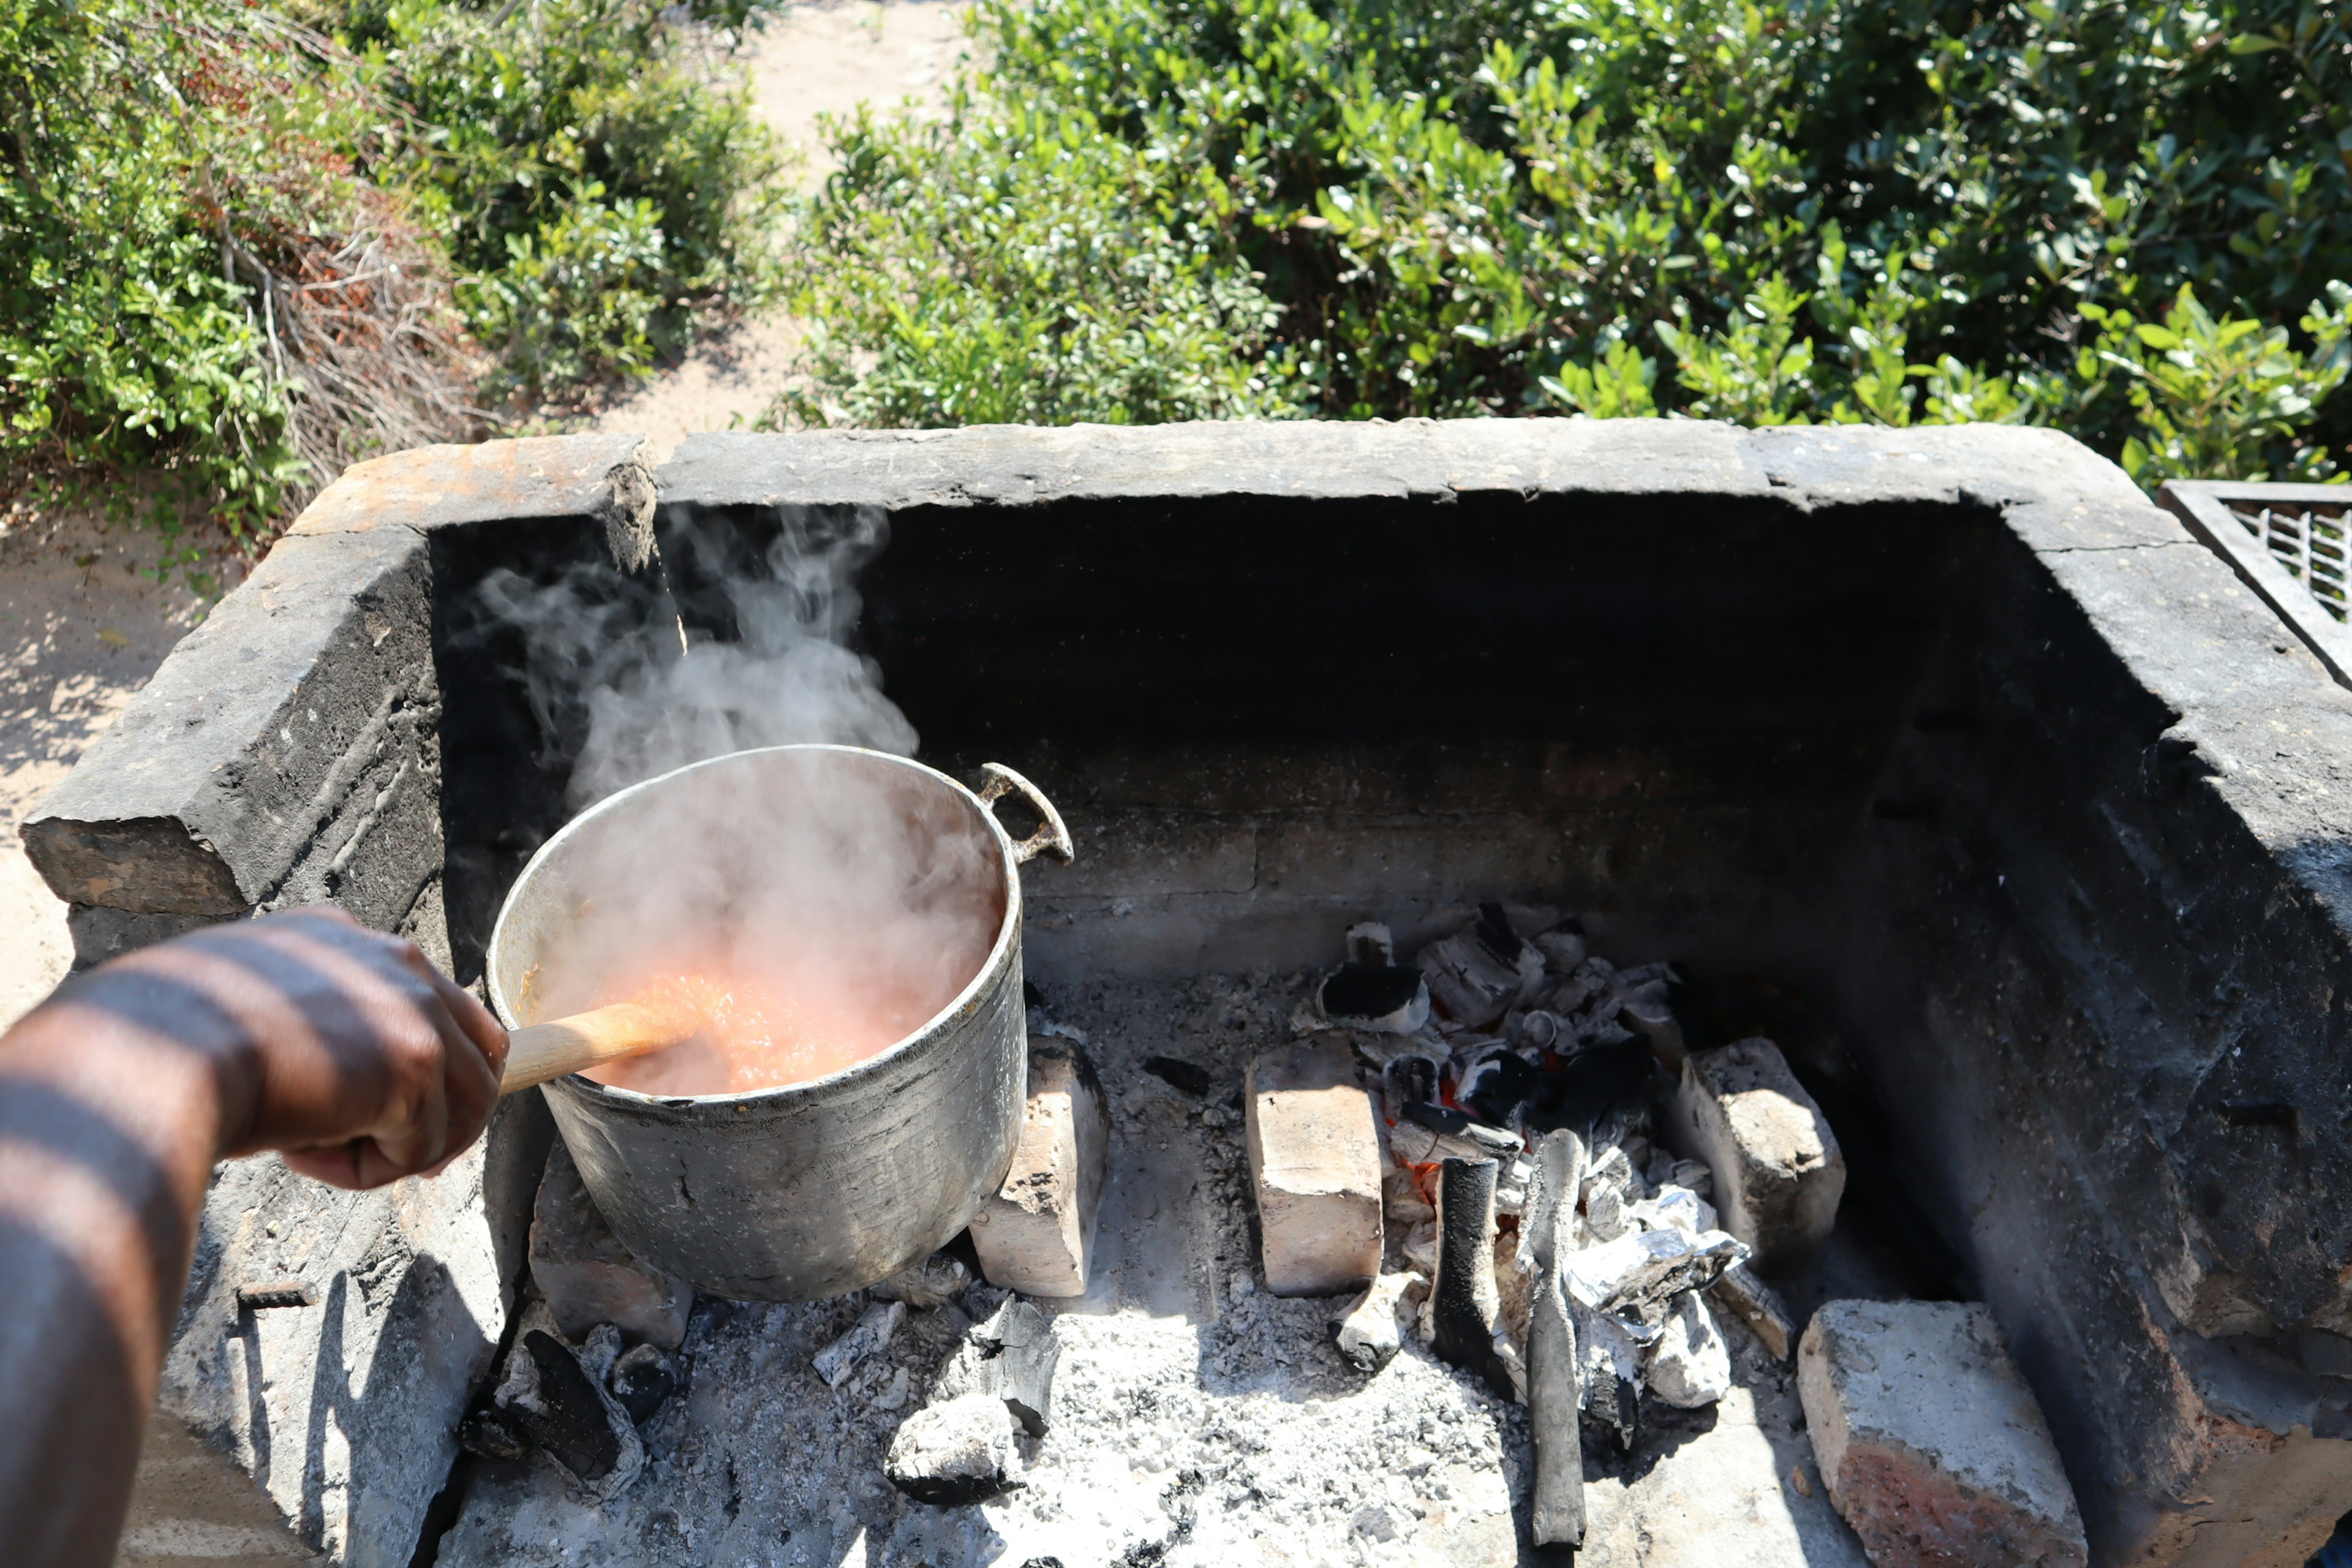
1940	760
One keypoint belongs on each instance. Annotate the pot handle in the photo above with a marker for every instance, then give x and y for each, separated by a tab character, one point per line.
1051	838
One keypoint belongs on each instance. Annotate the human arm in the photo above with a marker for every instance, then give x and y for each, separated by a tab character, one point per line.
303	1033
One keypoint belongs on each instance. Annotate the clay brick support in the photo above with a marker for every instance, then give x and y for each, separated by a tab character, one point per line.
1778	1173
1315	1167
1037	1234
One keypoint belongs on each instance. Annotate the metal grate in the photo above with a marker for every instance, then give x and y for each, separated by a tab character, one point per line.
2292	544
2307	540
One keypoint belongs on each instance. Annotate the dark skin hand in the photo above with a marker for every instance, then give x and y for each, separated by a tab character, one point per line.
304	1033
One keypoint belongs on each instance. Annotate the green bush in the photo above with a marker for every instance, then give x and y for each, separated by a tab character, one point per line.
594	170
238	252
1003	272
1878	210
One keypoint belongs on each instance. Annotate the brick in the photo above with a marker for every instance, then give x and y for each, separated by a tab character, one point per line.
1315	1168
1929	1441
588	1277
1037	1234
1778	1174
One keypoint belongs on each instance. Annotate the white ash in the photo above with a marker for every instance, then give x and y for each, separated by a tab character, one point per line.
1198	1421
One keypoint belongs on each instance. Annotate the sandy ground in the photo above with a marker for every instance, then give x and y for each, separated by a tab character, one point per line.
81	630
811	60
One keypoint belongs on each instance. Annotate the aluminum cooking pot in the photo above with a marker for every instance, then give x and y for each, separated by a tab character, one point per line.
807	1191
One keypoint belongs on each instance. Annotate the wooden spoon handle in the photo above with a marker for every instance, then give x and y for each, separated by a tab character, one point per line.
551	1050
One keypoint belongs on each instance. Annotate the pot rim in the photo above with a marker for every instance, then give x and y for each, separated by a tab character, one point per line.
964	1001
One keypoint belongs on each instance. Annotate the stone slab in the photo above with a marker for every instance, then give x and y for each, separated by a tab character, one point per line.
489	481
287	751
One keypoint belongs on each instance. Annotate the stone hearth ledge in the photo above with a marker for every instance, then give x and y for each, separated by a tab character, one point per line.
286	751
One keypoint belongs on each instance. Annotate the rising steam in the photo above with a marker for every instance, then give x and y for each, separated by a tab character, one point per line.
604	652
830	905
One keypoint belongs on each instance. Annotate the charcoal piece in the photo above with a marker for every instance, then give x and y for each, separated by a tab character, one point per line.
1010	1357
1554	1385
560	1410
642	1380
1369	941
1495	1084
1564	946
1613	1409
1381	1000
1426	1133
1493	929
492	1434
1594	1084
1464	1302
1408	1080
1027	1349
954	1452
1188	1078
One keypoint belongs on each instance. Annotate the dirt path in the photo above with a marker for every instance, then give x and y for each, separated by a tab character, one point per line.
81	630
812	60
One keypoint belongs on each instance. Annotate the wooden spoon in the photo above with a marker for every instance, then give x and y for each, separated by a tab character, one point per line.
551	1050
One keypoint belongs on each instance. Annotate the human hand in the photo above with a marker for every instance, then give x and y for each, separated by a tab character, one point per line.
338	1045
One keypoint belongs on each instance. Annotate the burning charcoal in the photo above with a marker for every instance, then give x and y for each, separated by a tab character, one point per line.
1380	1000
641	1379
1563	947
1407	1080
1012	1357
1778	1173
1483	971
1464	1302
1689	1367
1594	1084
1038	1233
868	1335
1400	1198
1493	1082
1368	1337
1426	1133
1315	1168
1371	943
561	1406
1185	1078
926	1286
1931	1444
1758	1306
1555	1397
587	1276
1636	1275
956	1452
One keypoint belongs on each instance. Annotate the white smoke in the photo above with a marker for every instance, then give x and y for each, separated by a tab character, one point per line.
606	650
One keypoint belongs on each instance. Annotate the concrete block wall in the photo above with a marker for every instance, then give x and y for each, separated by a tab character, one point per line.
288	752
